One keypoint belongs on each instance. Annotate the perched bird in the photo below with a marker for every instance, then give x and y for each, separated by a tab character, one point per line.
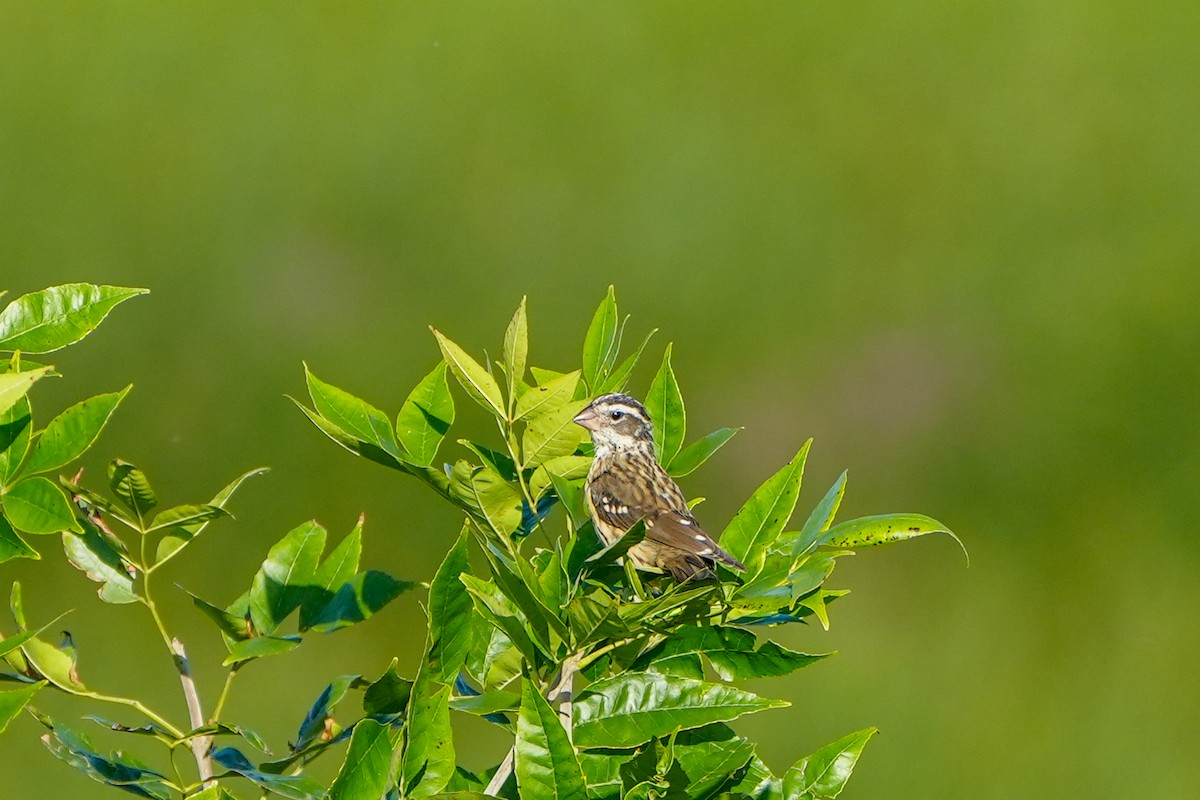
625	484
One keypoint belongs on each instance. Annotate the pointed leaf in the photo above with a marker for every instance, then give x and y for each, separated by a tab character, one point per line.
12	545
632	708
695	454
707	758
285	576
172	542
15	385
12	702
620	376
338	569
101	562
546	765
186	515
388	695
38	506
825	772
293	787
366	772
665	404
234	626
547	396
477	381
451	622
119	770
426	417
821	517
357	417
260	647
516	351
16	434
884	529
315	721
760	521
551	434
488	496
600	342
428	762
131	485
358	600
53	318
71	433
354	444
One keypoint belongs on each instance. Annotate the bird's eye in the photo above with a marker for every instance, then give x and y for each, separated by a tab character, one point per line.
616	415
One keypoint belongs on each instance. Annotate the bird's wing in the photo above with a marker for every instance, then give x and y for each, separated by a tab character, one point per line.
620	502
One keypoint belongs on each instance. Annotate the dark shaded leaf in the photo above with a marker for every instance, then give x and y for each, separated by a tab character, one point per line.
388	695
44	321
71	433
366	772
359	599
314	725
294	787
16	433
12	545
632	708
338	569
706	759
426	417
234	626
118	770
546	766
38	506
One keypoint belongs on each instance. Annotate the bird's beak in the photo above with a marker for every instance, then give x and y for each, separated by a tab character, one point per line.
588	419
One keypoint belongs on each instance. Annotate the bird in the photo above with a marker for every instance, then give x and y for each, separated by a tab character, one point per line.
625	484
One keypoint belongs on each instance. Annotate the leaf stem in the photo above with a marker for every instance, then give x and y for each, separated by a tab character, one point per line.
216	715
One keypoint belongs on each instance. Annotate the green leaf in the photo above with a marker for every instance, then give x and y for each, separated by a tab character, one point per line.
491	702
172	542
488	496
551	434
53	318
119	770
186	515
550	395
92	554
293	787
354	444
16	433
285	576
477	381
632	708
695	454
38	506
359	599
389	694
428	763
314	725
546	766
769	661
366	772
12	545
53	663
620	376
760	521
71	433
15	385
824	773
884	529
569	468
731	652
516	352
426	417
665	404
600	343
357	417
234	626
338	569
131	485
260	647
758	783
500	612
451	623
821	518
706	759
12	702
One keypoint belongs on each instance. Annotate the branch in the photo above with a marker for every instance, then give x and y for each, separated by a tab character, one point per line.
200	744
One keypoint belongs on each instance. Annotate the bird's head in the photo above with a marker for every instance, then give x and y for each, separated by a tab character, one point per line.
617	422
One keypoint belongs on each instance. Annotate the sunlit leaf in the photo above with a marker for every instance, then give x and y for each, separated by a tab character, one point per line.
695	454
186	515
355	416
260	647
131	485
338	569
632	708
600	343
181	535
12	545
15	385
706	759
101	562
824	773
547	396
821	518
366	772
665	404
546	766
516	351
451	626
551	434
11	702
616	381
284	578
760	521
38	506
43	321
884	529
72	432
426	417
477	381
428	762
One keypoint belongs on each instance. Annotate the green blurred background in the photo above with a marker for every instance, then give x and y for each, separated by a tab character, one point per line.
957	243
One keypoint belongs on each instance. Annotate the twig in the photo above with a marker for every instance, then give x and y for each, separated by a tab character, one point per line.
200	744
